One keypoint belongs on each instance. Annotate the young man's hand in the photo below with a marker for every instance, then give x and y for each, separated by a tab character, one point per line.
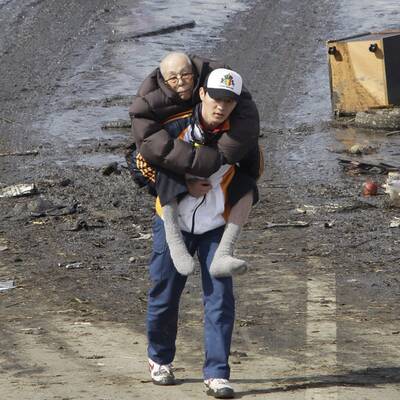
198	187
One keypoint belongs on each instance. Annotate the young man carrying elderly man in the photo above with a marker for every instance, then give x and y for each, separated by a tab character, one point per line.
205	182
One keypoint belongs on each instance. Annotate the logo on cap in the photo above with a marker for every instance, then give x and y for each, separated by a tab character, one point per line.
228	81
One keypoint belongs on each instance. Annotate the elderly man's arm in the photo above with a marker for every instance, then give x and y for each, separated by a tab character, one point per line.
161	150
244	131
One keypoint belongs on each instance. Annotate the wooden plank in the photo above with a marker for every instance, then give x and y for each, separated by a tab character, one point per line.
357	77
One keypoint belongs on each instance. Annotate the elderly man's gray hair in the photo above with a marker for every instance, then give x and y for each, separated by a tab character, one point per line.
172	58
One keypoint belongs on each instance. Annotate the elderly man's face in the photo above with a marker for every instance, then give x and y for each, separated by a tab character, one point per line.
178	76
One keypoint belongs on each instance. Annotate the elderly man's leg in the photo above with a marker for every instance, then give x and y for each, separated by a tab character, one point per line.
183	261
224	264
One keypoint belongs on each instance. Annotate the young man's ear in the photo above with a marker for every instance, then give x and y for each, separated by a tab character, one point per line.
202	93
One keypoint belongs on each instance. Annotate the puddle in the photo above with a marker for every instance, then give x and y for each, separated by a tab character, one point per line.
119	68
387	149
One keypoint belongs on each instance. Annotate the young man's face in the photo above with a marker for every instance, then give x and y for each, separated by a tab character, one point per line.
178	76
215	111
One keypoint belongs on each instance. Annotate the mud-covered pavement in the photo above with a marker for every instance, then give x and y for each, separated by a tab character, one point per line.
317	315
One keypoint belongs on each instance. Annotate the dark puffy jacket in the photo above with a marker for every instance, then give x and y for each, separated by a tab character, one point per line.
155	102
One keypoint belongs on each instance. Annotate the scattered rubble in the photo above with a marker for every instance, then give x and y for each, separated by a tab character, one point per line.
81	224
8	120
360	148
392	187
45	208
370	188
18	190
384	118
159	31
71	265
395	223
294	224
362	167
112	168
117	124
7	285
20	153
109	101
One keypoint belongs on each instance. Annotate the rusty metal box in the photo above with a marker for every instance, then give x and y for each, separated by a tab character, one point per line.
364	71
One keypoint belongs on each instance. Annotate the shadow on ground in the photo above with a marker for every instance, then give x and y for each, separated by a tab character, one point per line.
369	377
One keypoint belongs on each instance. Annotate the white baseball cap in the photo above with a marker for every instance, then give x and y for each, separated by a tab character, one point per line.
224	83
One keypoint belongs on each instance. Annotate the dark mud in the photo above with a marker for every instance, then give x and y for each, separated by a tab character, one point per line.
324	298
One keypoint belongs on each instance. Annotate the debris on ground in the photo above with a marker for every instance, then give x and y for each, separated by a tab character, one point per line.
361	167
159	31
117	124
239	354
306	209
9	121
385	118
7	285
3	248
144	236
356	205
294	224
95	357
109	101
111	168
71	265
392	187
395	223
392	133
65	182
329	224
45	208
335	207
81	224
355	149
18	190
360	148
370	188
20	153
33	331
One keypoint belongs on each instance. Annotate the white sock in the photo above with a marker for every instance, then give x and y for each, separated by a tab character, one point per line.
183	261
223	263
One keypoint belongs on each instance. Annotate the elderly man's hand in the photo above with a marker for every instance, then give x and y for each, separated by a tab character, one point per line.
198	187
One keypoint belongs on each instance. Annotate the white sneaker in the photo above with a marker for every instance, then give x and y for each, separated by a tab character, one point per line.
161	374
219	388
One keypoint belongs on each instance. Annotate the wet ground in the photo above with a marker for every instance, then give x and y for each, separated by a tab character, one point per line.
317	315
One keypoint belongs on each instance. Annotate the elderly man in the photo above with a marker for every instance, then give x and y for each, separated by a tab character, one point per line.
174	87
202	220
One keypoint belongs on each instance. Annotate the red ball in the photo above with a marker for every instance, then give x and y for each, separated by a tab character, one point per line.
370	188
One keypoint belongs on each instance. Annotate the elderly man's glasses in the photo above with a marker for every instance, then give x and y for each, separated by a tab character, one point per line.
185	77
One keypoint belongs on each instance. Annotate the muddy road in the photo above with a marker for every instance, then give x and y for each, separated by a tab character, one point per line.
317	315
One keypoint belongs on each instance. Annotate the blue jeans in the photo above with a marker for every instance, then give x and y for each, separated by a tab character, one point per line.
164	296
